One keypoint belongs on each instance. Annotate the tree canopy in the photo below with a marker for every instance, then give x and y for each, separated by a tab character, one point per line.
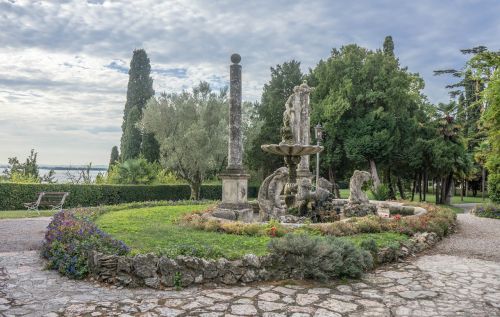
191	128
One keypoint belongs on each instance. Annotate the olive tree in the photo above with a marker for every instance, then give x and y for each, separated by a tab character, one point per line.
191	128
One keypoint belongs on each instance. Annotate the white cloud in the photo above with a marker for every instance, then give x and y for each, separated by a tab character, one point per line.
63	63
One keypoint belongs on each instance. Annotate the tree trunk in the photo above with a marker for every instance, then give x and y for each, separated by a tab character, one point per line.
448	189
426	185
437	190
195	190
401	188
420	186
414	187
462	190
483	176
392	194
373	171
331	176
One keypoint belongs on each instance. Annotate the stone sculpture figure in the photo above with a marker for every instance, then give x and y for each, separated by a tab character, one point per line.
297	118
269	199
324	192
356	194
358	204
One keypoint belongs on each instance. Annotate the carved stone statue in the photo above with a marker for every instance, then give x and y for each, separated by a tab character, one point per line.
358	204
356	194
296	122
324	192
269	199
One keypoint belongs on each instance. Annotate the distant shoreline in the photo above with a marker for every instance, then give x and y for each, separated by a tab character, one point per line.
66	168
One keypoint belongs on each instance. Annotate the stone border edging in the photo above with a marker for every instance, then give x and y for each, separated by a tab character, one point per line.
162	272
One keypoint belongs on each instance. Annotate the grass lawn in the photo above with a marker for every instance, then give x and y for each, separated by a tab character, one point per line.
12	214
431	198
154	230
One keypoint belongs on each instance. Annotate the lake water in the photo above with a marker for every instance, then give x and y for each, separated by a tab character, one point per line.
63	176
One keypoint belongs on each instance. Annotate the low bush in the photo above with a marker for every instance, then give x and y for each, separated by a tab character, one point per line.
494	187
13	195
323	258
487	211
381	192
68	240
401	210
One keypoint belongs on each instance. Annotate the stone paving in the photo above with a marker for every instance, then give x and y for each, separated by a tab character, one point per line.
429	285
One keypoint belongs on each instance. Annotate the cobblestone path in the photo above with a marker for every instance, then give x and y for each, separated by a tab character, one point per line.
430	285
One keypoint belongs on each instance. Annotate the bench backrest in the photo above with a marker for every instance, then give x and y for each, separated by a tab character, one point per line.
52	198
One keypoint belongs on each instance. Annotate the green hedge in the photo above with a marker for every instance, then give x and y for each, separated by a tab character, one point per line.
12	196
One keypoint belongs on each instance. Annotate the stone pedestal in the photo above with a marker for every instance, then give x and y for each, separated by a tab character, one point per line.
234	190
234	204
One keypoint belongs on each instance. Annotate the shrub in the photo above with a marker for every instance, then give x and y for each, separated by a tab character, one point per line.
401	210
322	258
368	224
14	195
494	187
381	192
487	211
338	228
68	240
369	245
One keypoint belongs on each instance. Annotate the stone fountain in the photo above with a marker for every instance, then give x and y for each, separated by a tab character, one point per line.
292	153
295	179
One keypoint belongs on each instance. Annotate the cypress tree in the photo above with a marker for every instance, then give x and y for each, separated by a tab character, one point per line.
131	139
115	157
139	91
388	46
150	148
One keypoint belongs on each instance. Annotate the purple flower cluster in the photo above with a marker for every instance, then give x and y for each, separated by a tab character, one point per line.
68	240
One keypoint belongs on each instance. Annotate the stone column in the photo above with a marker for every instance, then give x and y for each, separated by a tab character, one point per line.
235	145
234	204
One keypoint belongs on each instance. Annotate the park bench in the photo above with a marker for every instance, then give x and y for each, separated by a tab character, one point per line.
54	200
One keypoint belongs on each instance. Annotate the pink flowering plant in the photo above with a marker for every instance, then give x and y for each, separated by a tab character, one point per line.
68	240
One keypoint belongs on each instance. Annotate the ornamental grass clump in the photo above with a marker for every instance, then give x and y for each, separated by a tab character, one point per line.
311	257
68	240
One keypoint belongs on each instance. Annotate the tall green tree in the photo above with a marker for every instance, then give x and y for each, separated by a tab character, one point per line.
114	157
284	78
139	91
131	139
191	128
367	103
471	81
150	148
491	121
388	47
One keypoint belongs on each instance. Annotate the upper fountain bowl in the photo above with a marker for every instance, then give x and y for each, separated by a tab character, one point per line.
291	149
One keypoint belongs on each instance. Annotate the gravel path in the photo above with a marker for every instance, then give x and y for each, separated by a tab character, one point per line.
22	234
476	237
460	277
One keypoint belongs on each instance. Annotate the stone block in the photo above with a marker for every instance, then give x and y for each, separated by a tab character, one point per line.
145	265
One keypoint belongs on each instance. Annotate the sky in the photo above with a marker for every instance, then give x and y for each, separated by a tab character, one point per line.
63	64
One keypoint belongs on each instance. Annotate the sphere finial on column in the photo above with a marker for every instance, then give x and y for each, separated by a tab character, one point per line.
235	58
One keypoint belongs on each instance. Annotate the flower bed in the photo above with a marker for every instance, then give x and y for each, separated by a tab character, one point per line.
69	239
437	219
487	211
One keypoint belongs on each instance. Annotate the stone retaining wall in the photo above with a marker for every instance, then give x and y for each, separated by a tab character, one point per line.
161	272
